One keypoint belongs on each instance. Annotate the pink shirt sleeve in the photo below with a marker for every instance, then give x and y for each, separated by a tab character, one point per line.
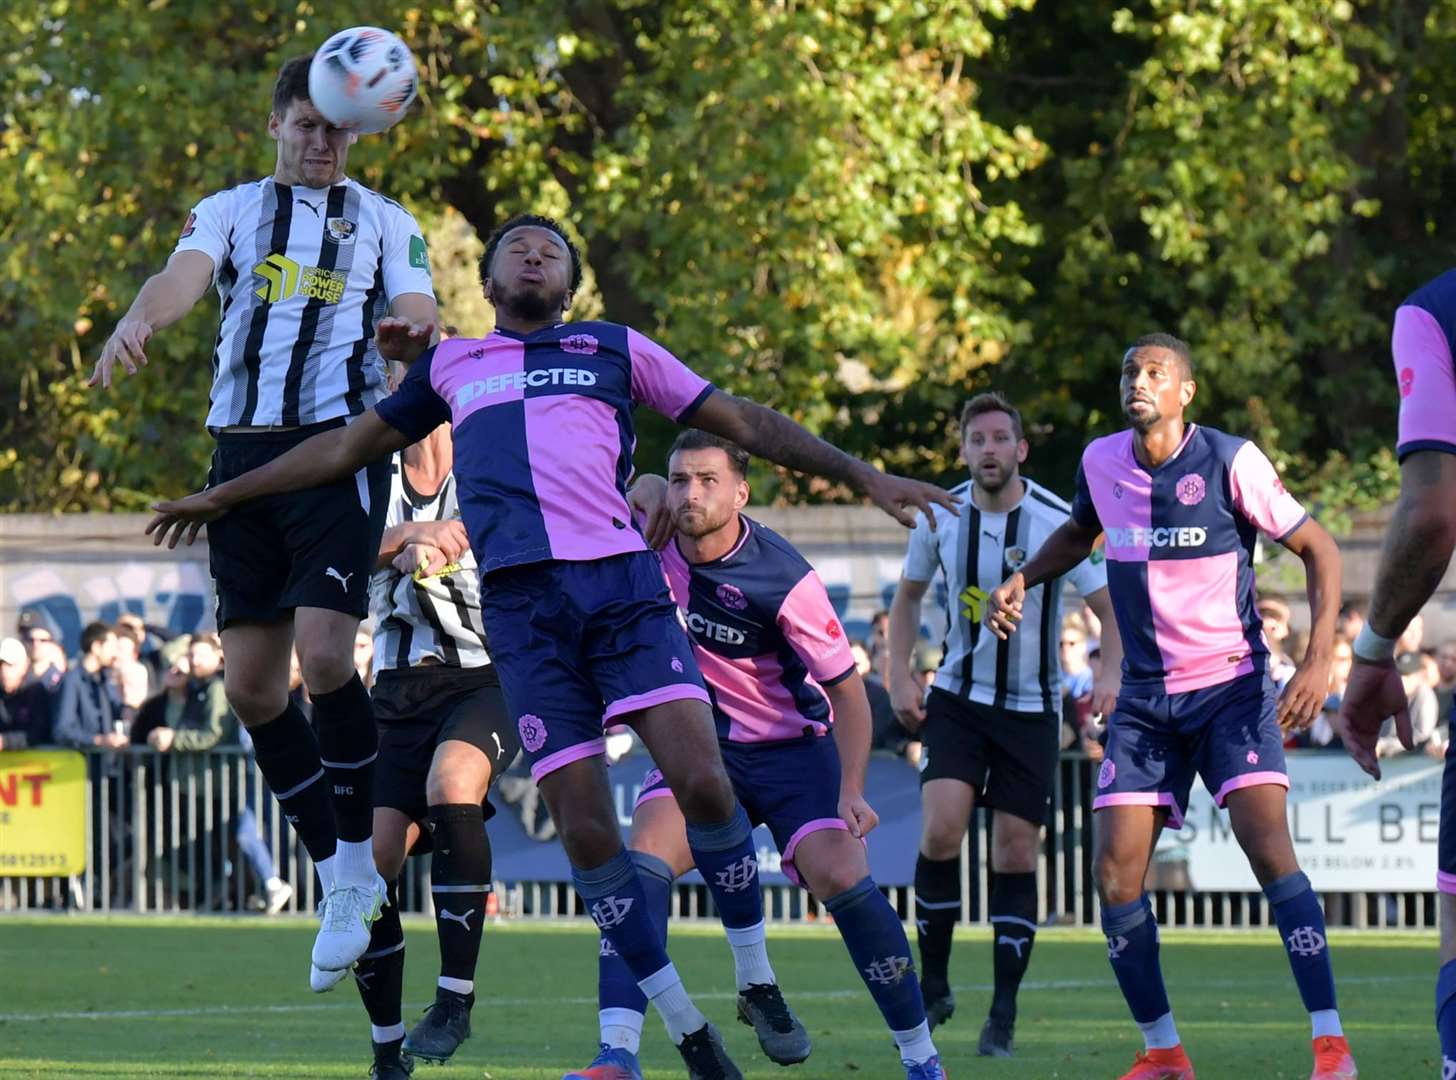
662	381
810	624
1260	496
1427	385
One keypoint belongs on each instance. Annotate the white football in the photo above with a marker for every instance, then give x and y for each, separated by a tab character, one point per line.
363	79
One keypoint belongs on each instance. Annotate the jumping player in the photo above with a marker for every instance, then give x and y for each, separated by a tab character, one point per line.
793	725
306	263
581	624
1181	506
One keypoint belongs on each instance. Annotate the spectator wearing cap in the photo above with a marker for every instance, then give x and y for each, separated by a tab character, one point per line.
89	712
25	707
1420	700
40	635
195	714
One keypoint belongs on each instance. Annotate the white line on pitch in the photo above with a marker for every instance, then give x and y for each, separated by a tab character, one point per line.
805	995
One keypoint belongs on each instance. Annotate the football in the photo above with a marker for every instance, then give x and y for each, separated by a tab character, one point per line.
363	79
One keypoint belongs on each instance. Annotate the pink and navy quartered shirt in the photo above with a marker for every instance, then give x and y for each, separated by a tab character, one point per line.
1421	346
1180	554
764	634
543	433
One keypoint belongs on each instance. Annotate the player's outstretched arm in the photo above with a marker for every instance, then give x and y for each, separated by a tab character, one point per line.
1062	550
322	459
772	435
164	299
852	733
1305	695
1418	544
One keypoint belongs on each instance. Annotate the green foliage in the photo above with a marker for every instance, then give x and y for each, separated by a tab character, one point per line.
859	212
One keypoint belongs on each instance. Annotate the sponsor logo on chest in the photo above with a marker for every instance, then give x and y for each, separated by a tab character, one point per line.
1180	536
707	629
512	381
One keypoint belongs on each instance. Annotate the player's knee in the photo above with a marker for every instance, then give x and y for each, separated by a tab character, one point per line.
706	795
1117	882
255	705
941	840
1269	864
325	671
589	841
1015	853
828	880
455	785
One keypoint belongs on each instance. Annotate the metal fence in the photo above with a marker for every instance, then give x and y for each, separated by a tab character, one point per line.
162	835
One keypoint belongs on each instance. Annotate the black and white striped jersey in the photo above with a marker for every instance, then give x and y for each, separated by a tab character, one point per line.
304	275
435	616
976	552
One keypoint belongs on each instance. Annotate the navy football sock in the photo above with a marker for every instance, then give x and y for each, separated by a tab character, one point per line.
620	1001
877	943
617	903
725	856
1132	949
1446	1016
1302	927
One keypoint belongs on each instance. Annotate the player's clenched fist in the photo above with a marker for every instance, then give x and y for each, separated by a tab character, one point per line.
1003	606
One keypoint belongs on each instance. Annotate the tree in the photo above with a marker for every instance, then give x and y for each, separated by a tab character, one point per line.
859	212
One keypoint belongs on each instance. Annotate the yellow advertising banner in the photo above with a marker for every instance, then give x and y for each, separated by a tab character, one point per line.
42	813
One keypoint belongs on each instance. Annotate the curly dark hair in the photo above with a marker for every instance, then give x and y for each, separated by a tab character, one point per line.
541	222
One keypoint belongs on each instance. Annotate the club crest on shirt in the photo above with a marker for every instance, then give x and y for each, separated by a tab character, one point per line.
1015	557
1191	489
585	344
190	226
1117	489
731	597
340	230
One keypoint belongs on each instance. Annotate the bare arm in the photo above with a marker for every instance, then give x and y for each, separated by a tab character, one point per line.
772	435
322	459
1418	545
1418	541
165	298
1305	695
1104	693
1062	550
852	734
905	693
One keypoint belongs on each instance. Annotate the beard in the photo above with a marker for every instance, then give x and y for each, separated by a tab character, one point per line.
1145	421
700	521
529	303
995	481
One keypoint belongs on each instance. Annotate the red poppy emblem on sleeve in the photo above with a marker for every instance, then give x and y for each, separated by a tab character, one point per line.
189	225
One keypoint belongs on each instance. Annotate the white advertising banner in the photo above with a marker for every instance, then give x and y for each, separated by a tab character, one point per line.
1351	833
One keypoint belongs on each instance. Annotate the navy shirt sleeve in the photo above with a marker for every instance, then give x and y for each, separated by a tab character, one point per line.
415	409
1084	511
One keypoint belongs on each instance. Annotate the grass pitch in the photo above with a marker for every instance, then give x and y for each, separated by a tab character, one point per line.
209	997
